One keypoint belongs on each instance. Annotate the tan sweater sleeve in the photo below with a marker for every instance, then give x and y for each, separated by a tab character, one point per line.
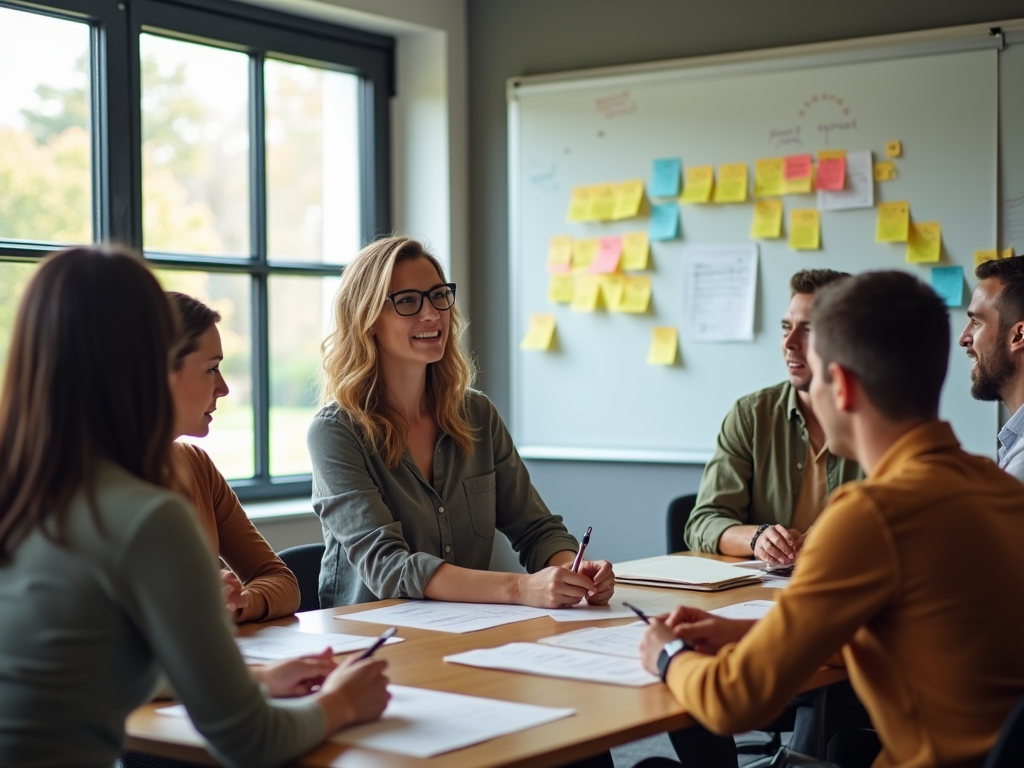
245	550
847	573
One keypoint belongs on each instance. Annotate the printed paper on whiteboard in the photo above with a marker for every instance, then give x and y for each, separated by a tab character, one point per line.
718	292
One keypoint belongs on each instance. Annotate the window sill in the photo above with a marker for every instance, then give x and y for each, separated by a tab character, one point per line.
281	510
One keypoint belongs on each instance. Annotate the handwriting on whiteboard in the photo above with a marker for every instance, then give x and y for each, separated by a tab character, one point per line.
615	105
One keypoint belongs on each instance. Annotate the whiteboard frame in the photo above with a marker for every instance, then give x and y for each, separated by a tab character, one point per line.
971	37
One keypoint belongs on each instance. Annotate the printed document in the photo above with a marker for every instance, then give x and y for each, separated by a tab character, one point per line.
537	659
275	643
718	292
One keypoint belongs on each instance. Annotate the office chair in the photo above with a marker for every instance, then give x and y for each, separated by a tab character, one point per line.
675	522
1009	749
304	561
132	759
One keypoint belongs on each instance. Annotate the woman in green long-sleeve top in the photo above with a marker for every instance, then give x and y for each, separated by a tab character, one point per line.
105	577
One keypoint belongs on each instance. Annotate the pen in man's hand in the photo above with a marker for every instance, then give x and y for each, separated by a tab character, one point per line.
638	612
387	635
579	555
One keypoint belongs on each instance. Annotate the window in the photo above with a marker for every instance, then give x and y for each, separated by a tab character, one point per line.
244	151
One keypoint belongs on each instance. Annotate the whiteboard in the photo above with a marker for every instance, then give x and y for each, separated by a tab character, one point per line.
593	396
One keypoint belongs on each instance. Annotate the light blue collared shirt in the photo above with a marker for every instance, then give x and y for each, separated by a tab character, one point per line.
1011	446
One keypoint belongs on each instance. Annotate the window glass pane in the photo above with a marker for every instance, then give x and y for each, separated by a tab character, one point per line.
13	279
300	315
195	148
230	441
312	136
45	142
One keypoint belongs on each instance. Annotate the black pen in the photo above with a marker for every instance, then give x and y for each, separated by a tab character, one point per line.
638	612
387	635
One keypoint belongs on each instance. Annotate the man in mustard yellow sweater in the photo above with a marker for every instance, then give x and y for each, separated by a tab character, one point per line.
914	574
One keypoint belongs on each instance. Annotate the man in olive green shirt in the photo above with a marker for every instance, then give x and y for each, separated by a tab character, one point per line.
772	473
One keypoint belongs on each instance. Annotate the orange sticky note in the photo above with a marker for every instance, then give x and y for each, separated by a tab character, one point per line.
924	244
560	253
609	249
732	183
893	148
893	222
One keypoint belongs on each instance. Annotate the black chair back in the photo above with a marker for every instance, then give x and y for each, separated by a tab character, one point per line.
675	523
304	561
1009	749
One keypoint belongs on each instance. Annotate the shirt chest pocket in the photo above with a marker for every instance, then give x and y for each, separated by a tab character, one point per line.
481	500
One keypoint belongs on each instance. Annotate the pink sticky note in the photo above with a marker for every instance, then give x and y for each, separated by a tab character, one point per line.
797	167
831	174
559	267
609	249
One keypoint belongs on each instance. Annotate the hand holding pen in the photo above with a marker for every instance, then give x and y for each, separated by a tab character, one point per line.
599	571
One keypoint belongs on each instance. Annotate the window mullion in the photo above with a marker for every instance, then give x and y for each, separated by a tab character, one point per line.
258	238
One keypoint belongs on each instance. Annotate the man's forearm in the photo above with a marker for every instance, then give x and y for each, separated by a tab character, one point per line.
735	540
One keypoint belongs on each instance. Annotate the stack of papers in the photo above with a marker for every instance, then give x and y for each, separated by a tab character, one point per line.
680	572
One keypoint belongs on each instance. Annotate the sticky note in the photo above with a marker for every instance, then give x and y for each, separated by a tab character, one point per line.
579	204
924	243
560	253
602	202
980	257
665	177
636	294
609	249
767	219
560	288
540	334
699	182
948	282
611	288
1006	253
830	154
585	293
805	229
768	177
664	344
732	183
893	222
893	148
628	196
797	167
831	176
635	247
583	252
885	170
664	222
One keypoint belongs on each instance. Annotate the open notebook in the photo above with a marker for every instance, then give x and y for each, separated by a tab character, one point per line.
682	572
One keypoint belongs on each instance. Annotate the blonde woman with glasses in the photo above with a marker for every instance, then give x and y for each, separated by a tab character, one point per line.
414	471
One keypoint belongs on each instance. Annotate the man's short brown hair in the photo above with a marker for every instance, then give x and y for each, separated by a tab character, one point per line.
810	280
892	332
1010	274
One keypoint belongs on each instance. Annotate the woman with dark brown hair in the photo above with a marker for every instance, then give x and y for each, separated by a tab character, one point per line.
105	578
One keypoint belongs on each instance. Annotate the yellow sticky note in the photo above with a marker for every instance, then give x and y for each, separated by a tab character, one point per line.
611	288
560	253
732	183
893	148
805	229
798	186
893	222
664	344
636	294
579	204
628	196
584	251
602	202
585	293
767	219
635	247
1006	253
768	177
831	154
540	334
560	288
980	257
699	182
924	243
885	170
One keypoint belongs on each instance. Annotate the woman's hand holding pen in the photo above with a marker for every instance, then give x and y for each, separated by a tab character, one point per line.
553	587
599	572
355	692
295	677
705	632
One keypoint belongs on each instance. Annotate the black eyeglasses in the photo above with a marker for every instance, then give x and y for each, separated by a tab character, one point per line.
410	302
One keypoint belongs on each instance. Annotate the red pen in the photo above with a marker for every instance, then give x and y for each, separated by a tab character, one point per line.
579	555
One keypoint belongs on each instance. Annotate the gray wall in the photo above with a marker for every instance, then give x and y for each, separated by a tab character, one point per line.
524	37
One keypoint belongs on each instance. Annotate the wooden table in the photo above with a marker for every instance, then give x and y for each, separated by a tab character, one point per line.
606	715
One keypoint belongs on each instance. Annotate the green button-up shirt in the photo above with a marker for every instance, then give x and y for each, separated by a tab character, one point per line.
758	468
388	529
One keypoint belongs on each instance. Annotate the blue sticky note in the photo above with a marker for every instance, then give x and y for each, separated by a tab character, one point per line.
664	222
665	179
948	282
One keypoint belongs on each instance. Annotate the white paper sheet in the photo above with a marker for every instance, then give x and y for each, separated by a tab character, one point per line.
860	185
718	292
423	723
752	609
537	659
447	617
586	612
276	643
613	641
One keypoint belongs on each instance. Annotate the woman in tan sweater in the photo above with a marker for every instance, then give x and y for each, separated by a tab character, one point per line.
257	585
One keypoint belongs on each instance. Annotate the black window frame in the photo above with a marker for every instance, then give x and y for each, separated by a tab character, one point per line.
115	78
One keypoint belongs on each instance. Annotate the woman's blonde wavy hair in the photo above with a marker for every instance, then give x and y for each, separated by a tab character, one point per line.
351	374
